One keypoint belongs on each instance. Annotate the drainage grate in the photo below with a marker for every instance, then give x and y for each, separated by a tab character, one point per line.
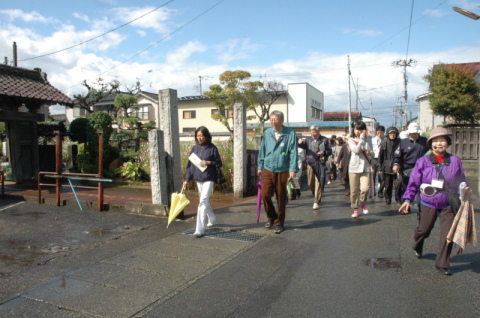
230	235
383	263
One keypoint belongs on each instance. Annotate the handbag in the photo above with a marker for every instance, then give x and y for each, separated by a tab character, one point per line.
220	177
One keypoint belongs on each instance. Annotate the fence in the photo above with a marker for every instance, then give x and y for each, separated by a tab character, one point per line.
465	143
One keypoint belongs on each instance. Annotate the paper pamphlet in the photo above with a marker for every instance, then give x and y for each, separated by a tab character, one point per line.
196	161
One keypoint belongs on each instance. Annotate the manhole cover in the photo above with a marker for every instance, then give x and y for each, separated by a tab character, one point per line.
383	263
230	235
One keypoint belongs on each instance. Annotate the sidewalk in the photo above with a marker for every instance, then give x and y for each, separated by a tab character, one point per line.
67	263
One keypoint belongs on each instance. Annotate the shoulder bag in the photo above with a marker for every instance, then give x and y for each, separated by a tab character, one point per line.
220	177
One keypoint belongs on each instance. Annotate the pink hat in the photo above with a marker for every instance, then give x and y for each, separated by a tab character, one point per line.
438	132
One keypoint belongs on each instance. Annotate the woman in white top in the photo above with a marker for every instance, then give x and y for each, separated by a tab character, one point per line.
359	168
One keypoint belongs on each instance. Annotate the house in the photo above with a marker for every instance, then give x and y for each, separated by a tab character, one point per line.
426	119
301	102
25	96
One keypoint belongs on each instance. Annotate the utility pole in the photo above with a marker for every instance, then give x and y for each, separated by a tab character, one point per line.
349	98
201	78
404	64
356	97
374	127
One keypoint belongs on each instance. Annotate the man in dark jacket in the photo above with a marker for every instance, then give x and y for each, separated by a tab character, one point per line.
376	141
407	154
385	162
317	152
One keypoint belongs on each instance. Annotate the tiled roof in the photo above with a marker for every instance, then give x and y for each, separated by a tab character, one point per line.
150	95
198	97
29	84
473	67
327	116
48	129
305	124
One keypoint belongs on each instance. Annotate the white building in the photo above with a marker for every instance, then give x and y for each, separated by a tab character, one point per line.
426	119
300	103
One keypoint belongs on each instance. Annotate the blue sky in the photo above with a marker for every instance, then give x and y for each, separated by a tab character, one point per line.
287	41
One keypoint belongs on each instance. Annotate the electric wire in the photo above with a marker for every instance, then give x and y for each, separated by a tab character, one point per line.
98	36
162	39
409	31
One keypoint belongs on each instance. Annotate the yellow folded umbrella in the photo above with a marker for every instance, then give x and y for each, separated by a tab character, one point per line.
178	202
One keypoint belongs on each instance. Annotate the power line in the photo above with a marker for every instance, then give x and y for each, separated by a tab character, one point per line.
98	36
165	37
440	4
409	30
162	39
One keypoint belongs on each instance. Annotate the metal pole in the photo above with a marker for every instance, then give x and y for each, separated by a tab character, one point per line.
58	161
100	169
349	99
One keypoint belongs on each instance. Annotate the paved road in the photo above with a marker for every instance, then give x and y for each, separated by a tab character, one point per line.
62	262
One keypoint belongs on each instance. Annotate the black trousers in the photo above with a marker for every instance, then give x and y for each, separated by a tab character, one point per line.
388	181
378	178
426	220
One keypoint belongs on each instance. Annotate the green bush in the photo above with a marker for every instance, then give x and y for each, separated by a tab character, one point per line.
131	171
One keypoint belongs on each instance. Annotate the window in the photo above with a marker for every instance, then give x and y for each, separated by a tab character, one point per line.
189	114
78	112
189	130
215	111
140	111
316	113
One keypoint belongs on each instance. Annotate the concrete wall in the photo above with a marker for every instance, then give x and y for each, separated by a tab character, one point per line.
302	97
426	119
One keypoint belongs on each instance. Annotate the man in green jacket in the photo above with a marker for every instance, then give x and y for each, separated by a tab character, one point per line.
277	161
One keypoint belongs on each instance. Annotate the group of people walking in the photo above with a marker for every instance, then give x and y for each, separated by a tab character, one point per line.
385	165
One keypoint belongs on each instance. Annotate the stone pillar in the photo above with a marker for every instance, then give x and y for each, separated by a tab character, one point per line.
239	150
168	108
158	175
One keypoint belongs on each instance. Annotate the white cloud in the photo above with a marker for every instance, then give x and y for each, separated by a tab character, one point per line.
82	17
467	5
180	55
236	49
155	20
436	13
366	33
16	14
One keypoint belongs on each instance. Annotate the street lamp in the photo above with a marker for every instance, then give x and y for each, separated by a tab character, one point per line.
466	13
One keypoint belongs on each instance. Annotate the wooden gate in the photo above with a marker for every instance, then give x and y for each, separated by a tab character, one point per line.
465	143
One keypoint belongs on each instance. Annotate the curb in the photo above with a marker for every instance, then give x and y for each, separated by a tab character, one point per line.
147	209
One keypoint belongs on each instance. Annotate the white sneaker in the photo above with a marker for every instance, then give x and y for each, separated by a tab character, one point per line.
198	234
315	206
210	224
355	214
328	182
364	208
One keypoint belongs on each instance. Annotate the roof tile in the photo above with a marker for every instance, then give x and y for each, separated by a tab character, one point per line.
25	83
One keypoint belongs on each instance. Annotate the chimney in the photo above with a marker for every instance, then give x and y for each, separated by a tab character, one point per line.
15	54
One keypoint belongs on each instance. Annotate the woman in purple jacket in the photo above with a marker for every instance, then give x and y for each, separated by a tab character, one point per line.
435	174
207	152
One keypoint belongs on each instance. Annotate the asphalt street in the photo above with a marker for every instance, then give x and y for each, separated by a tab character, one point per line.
63	262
